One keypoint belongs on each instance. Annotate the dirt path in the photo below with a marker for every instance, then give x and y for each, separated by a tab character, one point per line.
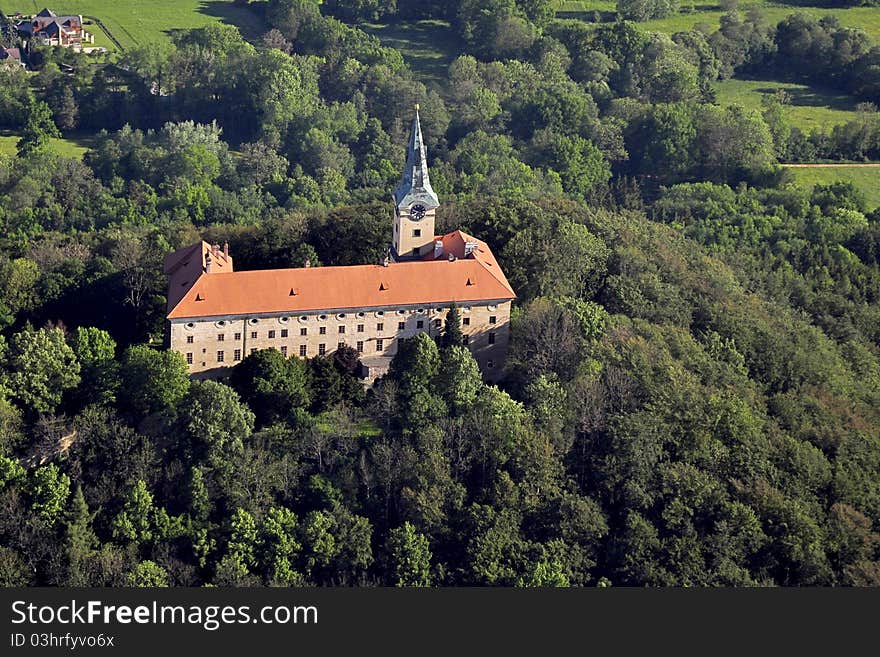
832	165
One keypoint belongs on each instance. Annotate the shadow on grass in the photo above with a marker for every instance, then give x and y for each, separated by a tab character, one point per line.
249	21
428	46
814	97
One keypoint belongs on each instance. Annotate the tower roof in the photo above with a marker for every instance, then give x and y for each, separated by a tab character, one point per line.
415	186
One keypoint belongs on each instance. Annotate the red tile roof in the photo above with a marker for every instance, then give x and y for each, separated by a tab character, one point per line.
228	293
186	265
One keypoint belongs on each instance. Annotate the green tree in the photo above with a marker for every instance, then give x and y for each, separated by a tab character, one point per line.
18	288
271	384
148	574
409	556
49	490
414	368
452	336
458	379
38	130
199	500
96	350
155	380
279	547
243	538
215	423
40	368
80	541
544	574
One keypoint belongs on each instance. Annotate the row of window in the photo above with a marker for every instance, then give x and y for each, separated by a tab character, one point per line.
304	318
322	330
322	349
303	351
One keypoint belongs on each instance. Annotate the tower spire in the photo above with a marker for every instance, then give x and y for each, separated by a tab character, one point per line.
415	185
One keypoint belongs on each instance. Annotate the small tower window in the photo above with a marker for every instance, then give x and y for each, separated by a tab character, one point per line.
417	232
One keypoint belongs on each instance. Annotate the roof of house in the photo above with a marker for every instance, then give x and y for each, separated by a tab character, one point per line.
50	24
184	266
47	13
228	293
10	53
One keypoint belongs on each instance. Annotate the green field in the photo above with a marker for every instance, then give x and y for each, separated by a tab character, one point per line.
74	146
147	21
429	47
811	107
865	178
866	18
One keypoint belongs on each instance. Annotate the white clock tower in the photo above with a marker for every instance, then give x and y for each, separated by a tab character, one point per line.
414	202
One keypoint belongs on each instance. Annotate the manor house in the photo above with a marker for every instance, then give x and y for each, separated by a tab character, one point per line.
217	316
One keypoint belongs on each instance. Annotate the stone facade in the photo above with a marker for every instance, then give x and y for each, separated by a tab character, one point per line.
212	345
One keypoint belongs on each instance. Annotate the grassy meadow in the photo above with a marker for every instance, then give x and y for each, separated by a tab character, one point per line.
146	21
429	46
810	108
865	178
710	13
71	146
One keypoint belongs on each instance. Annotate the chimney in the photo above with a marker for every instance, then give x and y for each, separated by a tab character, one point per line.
386	261
307	263
469	247
208	263
226	250
438	249
451	257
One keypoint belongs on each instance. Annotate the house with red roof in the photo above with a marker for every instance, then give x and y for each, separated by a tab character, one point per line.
50	29
217	315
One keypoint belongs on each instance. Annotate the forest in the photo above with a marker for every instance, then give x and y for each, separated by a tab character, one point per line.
692	393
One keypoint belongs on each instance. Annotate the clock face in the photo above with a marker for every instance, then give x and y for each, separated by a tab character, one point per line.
417	212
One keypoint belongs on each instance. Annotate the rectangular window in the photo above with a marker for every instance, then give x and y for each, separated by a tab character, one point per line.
304	331
420	324
284	351
360	328
417	232
493	319
466	321
189	358
380	345
322	349
491	338
401	326
238	336
236	355
283	333
341	330
271	334
221	337
380	326
322	330
189	339
253	335
219	356
302	351
360	346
